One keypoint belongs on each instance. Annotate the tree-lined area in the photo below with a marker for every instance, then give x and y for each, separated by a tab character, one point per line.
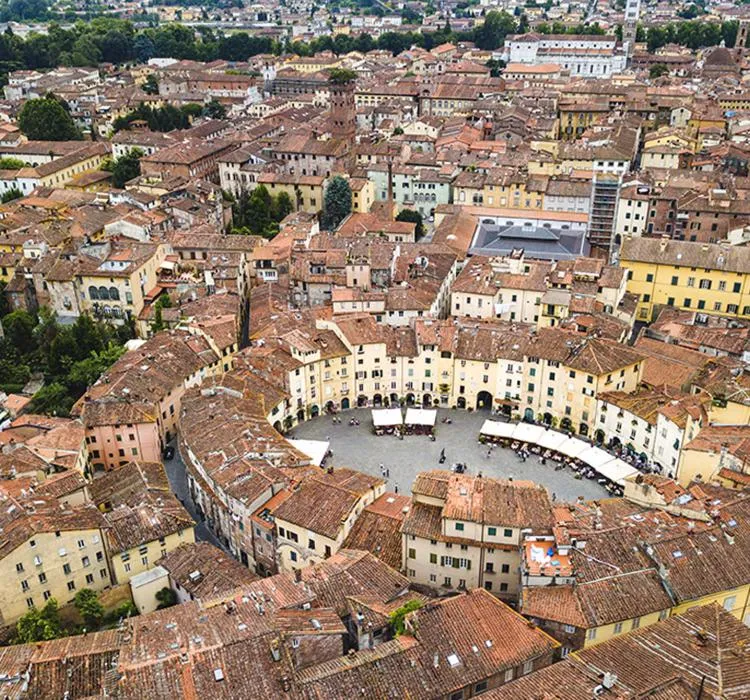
110	40
70	357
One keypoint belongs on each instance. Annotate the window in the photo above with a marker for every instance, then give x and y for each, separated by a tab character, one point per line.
412	553
729	603
618	628
492	531
459	527
89	578
71	585
564	652
311	544
85	561
570	629
447	581
66	569
675	280
42	578
19	567
433	557
636	623
29	602
480	687
705	284
507	532
528	667
505	568
24	585
503	586
591	634
293	556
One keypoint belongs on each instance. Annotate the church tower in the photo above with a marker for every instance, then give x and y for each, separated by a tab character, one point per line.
630	25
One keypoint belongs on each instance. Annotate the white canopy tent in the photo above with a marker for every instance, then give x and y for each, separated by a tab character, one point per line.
595	457
528	432
421	416
315	449
386	417
494	428
572	447
551	439
617	470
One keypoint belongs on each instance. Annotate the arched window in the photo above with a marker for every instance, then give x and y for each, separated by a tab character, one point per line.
103	293
93	292
114	294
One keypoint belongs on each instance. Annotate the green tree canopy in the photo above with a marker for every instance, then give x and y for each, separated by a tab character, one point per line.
398	617
337	203
259	212
214	109
166	597
657	70
9	163
413	217
90	609
39	625
126	167
45	119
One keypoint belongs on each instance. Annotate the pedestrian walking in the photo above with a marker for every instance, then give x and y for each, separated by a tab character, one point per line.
396	488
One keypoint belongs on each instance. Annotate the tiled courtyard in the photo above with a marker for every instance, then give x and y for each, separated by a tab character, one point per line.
358	447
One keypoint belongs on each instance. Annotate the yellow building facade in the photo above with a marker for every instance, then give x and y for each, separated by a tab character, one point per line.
702	277
136	560
55	564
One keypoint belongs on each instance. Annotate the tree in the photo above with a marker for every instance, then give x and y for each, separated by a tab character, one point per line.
282	206
214	110
19	330
166	597
657	70
39	625
126	167
9	163
491	34
90	609
150	85
11	194
398	617
341	76
163	302
86	371
413	217
337	203
45	119
52	400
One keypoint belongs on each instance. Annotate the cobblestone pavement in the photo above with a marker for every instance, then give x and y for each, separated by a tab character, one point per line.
359	448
